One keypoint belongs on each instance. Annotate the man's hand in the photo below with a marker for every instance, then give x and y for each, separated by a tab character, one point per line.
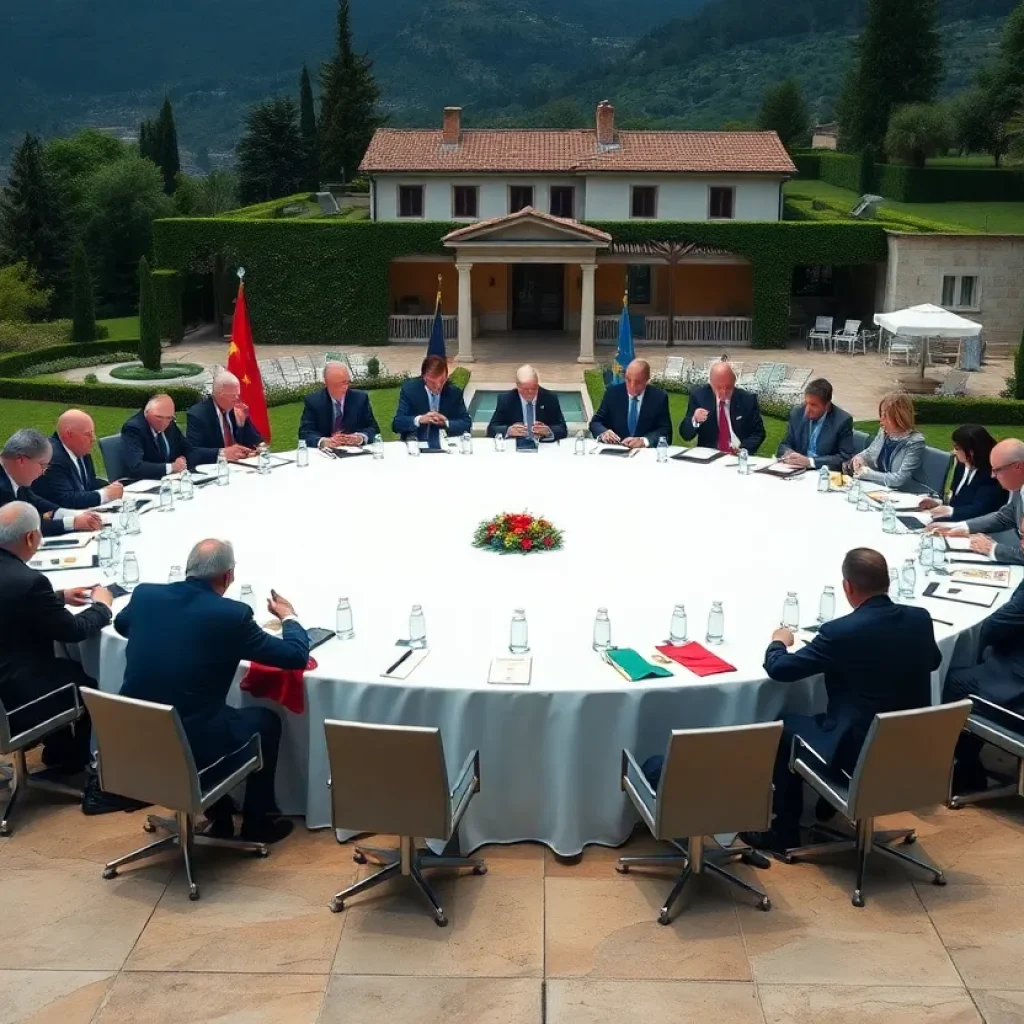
541	430
609	437
235	452
982	544
700	416
946	531
352	440
88	521
103	596
926	503
77	596
434	419
784	635
796	459
241	411
278	606
517	430
940	511
114	491
633	442
179	465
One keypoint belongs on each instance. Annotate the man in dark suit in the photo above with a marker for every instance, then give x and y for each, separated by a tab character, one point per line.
430	404
222	420
155	447
723	416
528	411
24	459
71	479
195	677
633	413
878	658
33	617
338	415
819	433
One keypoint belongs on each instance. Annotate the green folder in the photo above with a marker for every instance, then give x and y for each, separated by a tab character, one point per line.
634	666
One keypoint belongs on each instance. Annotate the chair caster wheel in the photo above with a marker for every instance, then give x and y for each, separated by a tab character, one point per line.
623	869
858	899
479	869
910	840
788	858
939	880
765	904
193	892
149	827
359	858
110	872
441	922
663	917
264	852
337	906
5	829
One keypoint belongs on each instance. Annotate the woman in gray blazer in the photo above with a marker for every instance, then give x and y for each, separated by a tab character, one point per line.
895	458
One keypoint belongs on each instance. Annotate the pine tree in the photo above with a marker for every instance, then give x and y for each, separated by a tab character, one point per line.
348	105
83	302
166	147
784	111
898	61
1003	84
147	140
271	158
308	130
149	328
34	225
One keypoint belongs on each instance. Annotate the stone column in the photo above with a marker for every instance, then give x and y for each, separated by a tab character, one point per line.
465	313
587	314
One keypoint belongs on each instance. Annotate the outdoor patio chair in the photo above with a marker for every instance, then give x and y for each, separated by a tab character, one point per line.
674	368
338	357
112	450
954	386
754	381
778	374
822	333
849	338
795	382
900	345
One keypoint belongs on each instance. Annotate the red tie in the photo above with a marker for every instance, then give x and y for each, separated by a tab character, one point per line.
724	433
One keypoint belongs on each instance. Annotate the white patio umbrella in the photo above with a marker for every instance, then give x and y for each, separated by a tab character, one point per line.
927	321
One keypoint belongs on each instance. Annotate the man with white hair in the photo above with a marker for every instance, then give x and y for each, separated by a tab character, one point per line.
528	411
339	415
633	413
154	446
71	480
723	416
222	420
24	459
33	617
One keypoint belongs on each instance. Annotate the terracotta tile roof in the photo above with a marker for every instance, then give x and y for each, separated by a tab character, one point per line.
576	150
527	213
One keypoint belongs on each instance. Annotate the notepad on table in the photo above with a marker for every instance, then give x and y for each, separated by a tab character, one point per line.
142	487
57	561
275	460
511	671
982	597
698	454
902	500
781	469
68	540
407	666
982	577
620	450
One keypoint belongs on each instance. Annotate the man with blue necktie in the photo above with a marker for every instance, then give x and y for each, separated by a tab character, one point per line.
339	415
633	413
430	404
819	433
71	480
528	412
154	447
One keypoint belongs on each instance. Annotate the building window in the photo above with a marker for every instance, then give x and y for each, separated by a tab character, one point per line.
410	200
816	281
645	201
960	291
638	284
464	200
563	201
519	197
722	201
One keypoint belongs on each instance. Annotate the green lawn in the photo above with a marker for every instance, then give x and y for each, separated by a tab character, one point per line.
122	328
998	218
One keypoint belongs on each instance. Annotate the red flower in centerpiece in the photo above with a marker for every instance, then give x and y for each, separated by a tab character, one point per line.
517	532
526	543
547	542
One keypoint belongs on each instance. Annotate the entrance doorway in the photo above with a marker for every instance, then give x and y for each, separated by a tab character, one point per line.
538	296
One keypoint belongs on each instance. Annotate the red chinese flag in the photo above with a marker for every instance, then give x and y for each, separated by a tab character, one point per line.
242	363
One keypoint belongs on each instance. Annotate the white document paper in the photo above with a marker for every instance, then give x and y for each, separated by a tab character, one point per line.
699	454
960	544
512	671
902	500
142	487
983	597
407	667
982	577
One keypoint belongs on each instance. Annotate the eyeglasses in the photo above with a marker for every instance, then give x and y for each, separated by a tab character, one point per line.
996	470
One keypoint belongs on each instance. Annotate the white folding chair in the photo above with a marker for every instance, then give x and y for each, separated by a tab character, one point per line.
848	337
822	333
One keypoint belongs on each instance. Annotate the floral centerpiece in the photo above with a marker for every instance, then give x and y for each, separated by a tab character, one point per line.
517	532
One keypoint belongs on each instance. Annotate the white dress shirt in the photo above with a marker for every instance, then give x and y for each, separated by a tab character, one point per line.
65	516
104	492
430	399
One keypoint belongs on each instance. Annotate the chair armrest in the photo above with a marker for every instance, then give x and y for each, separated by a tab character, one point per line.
257	752
824	779
46	696
800	745
637	787
23	737
231	775
472	761
1004	716
466	785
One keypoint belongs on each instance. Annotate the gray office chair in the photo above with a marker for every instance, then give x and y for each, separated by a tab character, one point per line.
713	781
1004	729
112	450
905	764
935	470
19	731
404	792
143	754
860	441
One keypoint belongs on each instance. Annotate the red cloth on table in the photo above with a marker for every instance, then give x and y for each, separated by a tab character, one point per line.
699	660
283	685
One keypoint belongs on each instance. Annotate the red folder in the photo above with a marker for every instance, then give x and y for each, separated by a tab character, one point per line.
283	685
699	660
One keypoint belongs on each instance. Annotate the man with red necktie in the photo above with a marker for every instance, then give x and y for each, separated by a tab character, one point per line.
723	416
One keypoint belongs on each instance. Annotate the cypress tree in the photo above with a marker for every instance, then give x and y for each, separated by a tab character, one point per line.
308	130
866	171
149	329
271	160
147	140
166	147
784	111
83	302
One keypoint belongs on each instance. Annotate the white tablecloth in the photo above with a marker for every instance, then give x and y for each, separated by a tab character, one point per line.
639	537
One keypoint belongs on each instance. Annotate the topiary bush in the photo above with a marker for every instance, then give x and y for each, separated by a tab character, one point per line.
149	328
1018	370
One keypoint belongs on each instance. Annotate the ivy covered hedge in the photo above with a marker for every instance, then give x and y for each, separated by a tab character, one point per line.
989	411
326	281
807	208
18	362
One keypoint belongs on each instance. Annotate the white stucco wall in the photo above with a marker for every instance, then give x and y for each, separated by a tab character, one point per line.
492	198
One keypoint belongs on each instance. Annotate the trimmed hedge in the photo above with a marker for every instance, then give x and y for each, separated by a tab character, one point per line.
18	362
19	336
84	395
166	289
272	209
805	208
990	411
840	169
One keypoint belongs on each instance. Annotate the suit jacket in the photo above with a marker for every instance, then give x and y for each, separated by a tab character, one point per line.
146	461
63	485
878	658
509	411
744	415
906	463
1004	519
413	402
49	524
204	428
653	424
835	440
318	416
1001	644
196	676
32	619
982	496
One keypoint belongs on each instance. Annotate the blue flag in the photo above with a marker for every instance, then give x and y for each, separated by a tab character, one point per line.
435	347
626	353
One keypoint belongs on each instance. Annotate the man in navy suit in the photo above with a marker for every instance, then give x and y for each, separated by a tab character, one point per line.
633	413
71	479
723	416
155	447
24	459
338	415
222	420
430	404
195	676
878	658
528	411
819	433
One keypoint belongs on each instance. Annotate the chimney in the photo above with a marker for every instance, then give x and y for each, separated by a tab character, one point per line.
452	126
605	124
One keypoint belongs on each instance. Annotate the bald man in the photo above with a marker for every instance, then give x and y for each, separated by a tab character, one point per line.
155	447
723	416
633	413
339	415
528	411
70	480
222	420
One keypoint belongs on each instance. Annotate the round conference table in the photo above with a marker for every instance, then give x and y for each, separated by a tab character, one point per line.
639	537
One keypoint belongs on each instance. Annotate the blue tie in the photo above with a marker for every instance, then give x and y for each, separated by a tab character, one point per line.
165	446
434	432
634	415
812	441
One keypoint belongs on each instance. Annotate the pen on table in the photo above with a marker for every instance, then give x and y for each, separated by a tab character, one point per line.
944	622
407	654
